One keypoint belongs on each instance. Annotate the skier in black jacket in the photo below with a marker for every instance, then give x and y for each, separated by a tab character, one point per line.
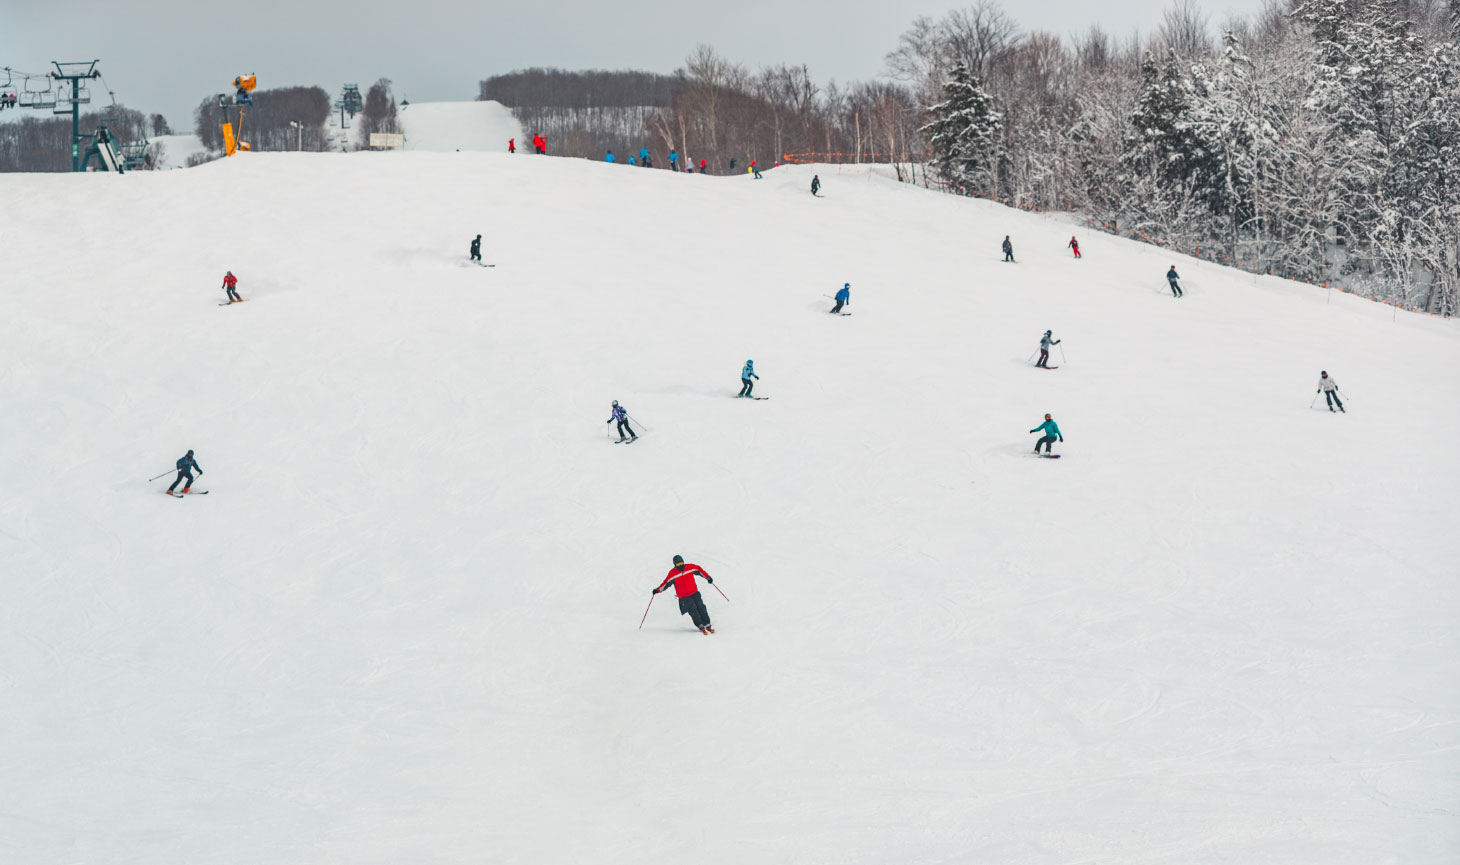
185	468
476	249
1171	277
1008	249
815	183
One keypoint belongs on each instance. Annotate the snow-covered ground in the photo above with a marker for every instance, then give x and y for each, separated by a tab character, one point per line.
402	625
445	127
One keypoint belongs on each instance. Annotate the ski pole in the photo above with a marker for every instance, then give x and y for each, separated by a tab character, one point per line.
1031	356
646	610
639	422
1062	355
1315	400
163	475
717	588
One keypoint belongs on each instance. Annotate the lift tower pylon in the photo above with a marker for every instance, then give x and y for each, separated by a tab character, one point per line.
72	72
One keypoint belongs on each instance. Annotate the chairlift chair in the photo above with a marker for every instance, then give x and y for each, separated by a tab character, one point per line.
31	98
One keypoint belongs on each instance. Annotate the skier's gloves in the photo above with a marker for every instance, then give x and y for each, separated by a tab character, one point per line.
1062	438
655	591
708	578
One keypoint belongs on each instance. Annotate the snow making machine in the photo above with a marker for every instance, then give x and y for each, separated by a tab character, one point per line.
233	135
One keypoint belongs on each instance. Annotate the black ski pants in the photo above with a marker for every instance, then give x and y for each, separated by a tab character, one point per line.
1043	357
232	293
838	307
1332	397
182	474
476	255
1175	289
1047	441
745	387
694	607
623	425
1008	255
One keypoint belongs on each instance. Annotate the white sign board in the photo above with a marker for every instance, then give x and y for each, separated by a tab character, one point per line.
387	139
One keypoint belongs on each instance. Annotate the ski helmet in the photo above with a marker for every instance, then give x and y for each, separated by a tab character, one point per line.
1049	333
1048	417
679	560
846	285
615	402
190	453
1325	375
749	362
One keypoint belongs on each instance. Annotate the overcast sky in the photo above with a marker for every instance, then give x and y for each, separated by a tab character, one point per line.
166	55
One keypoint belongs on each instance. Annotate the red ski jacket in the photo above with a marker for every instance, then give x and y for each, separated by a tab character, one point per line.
684	579
230	279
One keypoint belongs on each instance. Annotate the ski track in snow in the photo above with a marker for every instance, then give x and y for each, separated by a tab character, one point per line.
403	625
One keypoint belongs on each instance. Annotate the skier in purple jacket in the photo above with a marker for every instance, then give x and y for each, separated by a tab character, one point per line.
621	415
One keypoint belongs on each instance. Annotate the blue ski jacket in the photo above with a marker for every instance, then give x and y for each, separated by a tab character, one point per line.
1045	342
643	153
187	462
619	413
609	157
845	295
748	373
673	156
1050	428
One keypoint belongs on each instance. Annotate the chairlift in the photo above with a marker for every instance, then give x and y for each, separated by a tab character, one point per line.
30	98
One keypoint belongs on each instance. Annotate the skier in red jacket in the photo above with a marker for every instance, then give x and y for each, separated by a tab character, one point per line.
683	577
230	284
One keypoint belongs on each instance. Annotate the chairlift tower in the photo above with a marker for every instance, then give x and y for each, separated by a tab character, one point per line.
72	72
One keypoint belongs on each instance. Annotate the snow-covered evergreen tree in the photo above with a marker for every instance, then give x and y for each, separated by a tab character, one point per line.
962	131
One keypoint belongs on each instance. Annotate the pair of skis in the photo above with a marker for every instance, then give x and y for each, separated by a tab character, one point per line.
182	495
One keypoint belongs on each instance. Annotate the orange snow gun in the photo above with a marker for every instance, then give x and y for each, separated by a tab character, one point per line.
232	138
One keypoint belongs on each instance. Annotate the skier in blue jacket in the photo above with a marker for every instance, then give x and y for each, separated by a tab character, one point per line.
674	160
745	376
609	157
621	415
185	467
843	296
1051	432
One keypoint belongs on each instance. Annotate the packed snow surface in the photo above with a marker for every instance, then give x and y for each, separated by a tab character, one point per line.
402	625
445	127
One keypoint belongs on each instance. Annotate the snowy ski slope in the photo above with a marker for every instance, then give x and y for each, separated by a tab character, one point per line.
401	628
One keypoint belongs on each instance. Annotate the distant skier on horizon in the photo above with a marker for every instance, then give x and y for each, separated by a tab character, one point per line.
1008	249
1329	388
644	155
230	285
673	160
1051	432
1044	343
1074	245
815	183
1172	276
185	467
621	415
746	375
476	249
609	157
843	296
754	170
511	145
703	164
685	588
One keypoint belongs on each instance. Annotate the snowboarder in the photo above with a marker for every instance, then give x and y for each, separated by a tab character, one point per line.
476	249
609	157
1051	432
230	285
690	602
1008	249
815	183
702	166
1074	245
843	296
1329	388
1171	277
511	145
674	160
746	375
621	415
754	170
185	467
1044	343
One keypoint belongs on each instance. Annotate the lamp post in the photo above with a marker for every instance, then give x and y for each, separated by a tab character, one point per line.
300	126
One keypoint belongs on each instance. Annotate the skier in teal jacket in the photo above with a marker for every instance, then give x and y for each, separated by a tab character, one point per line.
1051	432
